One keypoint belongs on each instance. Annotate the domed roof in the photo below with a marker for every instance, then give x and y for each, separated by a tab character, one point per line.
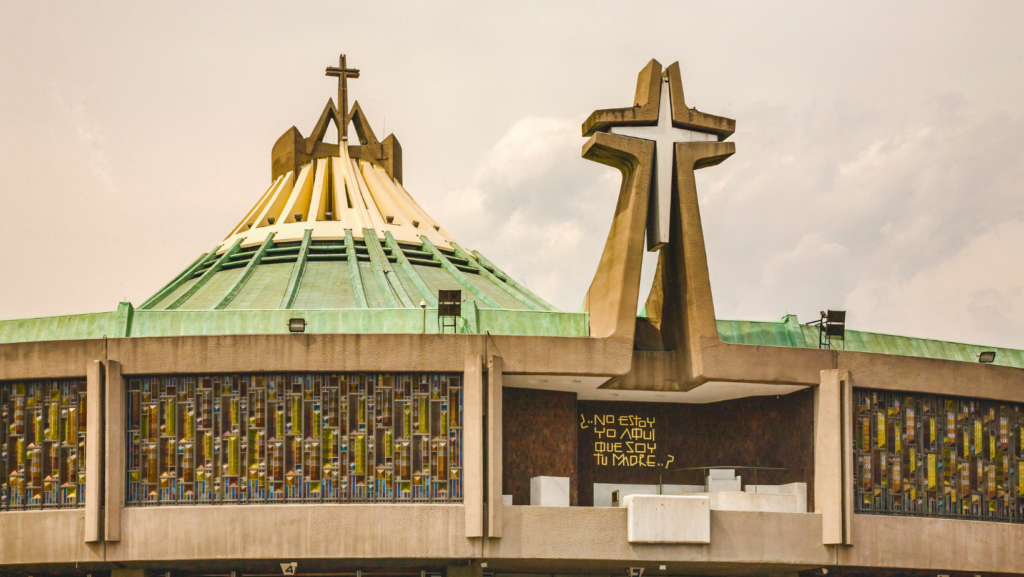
336	229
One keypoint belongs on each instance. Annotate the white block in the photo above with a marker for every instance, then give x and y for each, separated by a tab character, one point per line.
668	519
760	502
798	489
506	500
717	485
549	491
722	474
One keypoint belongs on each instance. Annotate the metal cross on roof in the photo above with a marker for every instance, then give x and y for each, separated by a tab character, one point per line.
343	73
664	136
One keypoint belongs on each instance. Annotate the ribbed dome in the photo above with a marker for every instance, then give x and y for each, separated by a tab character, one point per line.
339	234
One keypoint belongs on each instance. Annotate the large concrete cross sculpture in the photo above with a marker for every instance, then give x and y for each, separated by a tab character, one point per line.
664	135
657	144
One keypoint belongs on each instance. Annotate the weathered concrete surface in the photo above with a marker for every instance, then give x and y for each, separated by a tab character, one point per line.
311	352
114	450
296	531
828	457
937	376
494	442
48	360
46	537
935	544
556	537
473	445
94	473
599	534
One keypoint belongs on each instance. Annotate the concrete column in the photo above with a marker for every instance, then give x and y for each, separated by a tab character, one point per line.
494	440
93	531
473	446
846	405
114	471
831	461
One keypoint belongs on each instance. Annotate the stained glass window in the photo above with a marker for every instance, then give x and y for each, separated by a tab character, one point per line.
294	438
938	456
42	444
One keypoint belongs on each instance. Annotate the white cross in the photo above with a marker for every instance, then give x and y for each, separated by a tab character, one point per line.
664	136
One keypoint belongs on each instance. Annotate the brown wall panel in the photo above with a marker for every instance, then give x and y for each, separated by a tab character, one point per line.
757	431
539	429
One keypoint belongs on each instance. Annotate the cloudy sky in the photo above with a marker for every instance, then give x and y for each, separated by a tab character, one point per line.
879	165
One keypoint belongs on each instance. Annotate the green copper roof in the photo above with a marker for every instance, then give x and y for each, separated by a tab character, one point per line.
788	332
349	273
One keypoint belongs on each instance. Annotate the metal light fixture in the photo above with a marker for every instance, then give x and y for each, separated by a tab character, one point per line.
297	325
986	357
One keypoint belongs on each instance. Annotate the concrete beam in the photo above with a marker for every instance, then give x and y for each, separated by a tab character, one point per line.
115	472
317	352
93	524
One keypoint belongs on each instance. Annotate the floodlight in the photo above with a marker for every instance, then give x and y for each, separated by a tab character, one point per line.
986	357
297	325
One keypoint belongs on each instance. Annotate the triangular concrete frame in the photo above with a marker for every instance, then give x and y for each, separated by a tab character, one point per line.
292	150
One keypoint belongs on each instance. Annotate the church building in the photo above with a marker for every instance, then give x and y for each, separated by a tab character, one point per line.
340	387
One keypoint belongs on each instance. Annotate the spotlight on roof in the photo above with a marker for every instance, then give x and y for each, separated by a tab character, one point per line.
297	325
298	217
270	220
832	324
986	357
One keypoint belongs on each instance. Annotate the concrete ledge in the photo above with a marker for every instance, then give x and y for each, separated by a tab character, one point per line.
945	545
292	531
316	352
598	535
668	519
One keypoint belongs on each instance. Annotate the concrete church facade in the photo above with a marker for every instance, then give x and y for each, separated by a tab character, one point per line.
305	399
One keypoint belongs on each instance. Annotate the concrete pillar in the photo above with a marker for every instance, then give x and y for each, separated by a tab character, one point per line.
114	471
93	530
494	440
473	446
833	456
846	403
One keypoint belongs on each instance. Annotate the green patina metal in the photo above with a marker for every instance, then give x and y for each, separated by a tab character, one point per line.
207	275
180	279
250	267
486	273
297	271
410	271
455	272
393	290
501	274
788	332
353	270
123	323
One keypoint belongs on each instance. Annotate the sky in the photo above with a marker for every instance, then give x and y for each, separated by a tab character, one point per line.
879	165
